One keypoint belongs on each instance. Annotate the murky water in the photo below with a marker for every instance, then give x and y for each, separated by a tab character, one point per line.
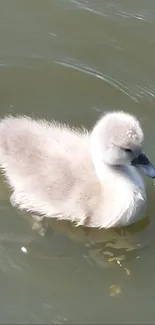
71	60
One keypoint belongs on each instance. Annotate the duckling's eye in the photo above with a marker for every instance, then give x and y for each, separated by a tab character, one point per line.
128	150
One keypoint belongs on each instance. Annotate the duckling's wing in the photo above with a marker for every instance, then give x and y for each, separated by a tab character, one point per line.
40	162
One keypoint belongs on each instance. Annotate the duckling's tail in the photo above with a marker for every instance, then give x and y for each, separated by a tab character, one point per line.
4	134
8	131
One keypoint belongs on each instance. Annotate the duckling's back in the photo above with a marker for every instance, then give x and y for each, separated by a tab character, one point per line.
49	167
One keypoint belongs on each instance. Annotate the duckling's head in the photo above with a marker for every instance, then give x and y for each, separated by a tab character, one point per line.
117	139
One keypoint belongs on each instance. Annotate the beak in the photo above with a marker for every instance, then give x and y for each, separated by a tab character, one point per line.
143	163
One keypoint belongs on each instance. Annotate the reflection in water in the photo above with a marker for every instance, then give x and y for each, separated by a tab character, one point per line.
106	247
112	247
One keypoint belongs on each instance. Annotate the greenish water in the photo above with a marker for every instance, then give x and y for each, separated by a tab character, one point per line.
71	60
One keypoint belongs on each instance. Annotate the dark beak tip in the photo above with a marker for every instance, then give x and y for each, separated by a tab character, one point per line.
143	163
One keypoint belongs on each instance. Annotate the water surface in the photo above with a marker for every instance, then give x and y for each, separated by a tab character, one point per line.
71	60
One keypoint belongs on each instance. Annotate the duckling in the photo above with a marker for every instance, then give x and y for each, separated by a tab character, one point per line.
91	178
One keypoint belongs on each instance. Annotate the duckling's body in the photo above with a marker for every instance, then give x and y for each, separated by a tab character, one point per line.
54	171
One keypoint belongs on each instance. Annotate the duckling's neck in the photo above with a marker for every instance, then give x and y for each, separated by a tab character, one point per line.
122	188
111	173
127	193
119	173
105	171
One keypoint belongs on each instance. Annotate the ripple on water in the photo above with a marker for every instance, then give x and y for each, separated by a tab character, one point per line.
122	87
